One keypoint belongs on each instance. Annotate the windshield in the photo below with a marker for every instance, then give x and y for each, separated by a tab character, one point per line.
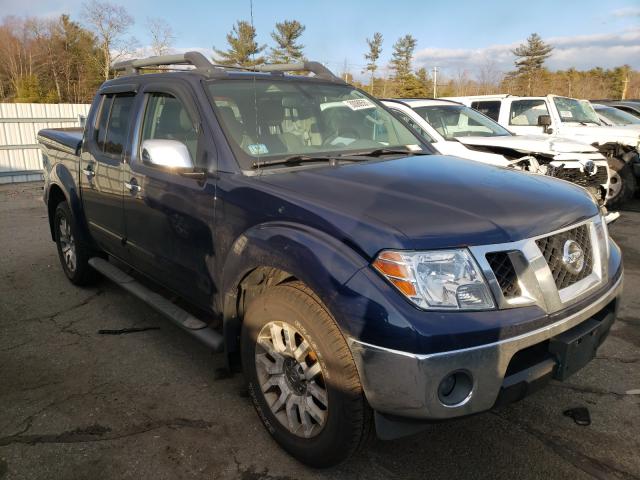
616	116
266	120
571	110
453	121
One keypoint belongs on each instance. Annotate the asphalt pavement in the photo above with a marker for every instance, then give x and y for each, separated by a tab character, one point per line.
75	404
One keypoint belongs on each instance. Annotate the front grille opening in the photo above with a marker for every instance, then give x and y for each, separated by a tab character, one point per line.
528	357
505	273
592	182
552	250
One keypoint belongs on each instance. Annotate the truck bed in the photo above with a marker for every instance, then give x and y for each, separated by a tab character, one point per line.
68	140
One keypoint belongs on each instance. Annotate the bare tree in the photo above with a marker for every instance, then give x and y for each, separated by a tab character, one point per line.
110	23
489	77
161	36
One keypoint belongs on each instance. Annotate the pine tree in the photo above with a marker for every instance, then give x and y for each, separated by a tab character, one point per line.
403	56
530	59
401	59
375	49
243	47
286	35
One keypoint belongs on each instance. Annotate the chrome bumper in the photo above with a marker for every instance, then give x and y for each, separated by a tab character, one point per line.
406	384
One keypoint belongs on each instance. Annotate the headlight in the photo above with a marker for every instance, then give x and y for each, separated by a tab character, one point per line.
438	279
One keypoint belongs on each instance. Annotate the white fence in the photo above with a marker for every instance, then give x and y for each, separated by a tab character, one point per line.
20	157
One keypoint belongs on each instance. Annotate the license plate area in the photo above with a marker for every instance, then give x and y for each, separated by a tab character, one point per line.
575	348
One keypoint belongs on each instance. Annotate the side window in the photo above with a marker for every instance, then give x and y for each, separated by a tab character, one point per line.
119	123
526	112
166	118
490	108
100	126
413	125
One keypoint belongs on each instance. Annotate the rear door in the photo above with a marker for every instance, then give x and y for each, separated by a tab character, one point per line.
169	219
101	169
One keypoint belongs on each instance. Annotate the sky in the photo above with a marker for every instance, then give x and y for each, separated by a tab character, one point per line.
455	36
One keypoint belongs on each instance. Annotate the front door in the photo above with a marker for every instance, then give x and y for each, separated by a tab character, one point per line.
101	170
169	218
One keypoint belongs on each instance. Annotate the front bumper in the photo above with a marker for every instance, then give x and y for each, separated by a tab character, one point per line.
406	384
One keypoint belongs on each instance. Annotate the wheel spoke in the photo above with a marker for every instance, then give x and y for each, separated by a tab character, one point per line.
271	367
300	353
280	401
318	393
276	338
312	371
289	337
292	417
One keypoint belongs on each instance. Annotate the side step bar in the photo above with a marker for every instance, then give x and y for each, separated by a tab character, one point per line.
177	315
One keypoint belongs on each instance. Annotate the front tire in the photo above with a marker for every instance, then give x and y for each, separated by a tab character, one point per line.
74	252
622	184
302	377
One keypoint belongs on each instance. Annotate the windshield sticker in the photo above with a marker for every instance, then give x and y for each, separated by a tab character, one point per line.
359	104
413	148
566	114
258	149
342	141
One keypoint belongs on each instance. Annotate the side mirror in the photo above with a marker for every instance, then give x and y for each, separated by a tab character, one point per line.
544	121
166	153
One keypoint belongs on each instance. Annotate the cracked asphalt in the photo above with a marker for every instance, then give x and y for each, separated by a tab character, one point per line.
78	405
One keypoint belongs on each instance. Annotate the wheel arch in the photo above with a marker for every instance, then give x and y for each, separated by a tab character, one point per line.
271	254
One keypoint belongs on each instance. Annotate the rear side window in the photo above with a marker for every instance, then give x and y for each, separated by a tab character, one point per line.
490	108
166	118
413	125
526	112
113	123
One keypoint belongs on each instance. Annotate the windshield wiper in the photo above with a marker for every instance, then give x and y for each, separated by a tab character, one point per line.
387	151
298	159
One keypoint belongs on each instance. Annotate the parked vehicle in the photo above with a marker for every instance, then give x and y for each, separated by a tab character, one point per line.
629	106
570	118
615	117
351	277
455	129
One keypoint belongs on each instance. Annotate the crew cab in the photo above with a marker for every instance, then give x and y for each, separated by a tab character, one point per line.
317	241
570	118
455	129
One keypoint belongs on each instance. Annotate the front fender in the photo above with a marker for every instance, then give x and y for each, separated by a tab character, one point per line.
314	257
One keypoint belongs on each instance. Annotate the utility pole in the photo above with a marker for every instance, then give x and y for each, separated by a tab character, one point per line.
435	82
625	83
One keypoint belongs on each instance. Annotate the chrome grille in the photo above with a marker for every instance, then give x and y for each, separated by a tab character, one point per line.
505	273
552	250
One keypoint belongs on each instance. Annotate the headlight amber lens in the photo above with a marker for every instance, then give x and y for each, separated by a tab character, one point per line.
439	279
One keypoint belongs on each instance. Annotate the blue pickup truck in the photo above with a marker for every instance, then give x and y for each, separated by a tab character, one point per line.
359	280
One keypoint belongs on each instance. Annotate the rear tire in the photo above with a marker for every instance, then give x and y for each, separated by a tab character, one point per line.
289	318
622	184
73	250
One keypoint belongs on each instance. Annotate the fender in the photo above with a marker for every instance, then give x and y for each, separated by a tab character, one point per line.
61	177
319	260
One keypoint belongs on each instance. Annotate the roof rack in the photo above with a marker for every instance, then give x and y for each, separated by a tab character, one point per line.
202	64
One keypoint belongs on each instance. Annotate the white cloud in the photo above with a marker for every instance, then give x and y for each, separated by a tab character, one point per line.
582	52
626	12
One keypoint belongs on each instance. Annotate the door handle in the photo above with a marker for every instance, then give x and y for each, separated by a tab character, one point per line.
89	171
133	187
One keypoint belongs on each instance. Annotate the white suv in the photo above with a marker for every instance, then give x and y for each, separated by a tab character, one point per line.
570	118
454	129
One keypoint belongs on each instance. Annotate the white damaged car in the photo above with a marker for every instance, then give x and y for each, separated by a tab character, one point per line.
455	129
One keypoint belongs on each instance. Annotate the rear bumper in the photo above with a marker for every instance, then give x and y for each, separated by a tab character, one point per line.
406	384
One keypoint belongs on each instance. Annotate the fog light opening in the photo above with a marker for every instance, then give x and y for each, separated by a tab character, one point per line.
455	389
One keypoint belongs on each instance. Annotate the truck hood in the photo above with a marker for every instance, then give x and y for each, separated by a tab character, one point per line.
531	144
601	134
429	202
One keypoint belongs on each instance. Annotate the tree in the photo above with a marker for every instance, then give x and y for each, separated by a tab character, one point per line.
530	58
110	23
401	58
243	47
286	35
375	49
161	36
